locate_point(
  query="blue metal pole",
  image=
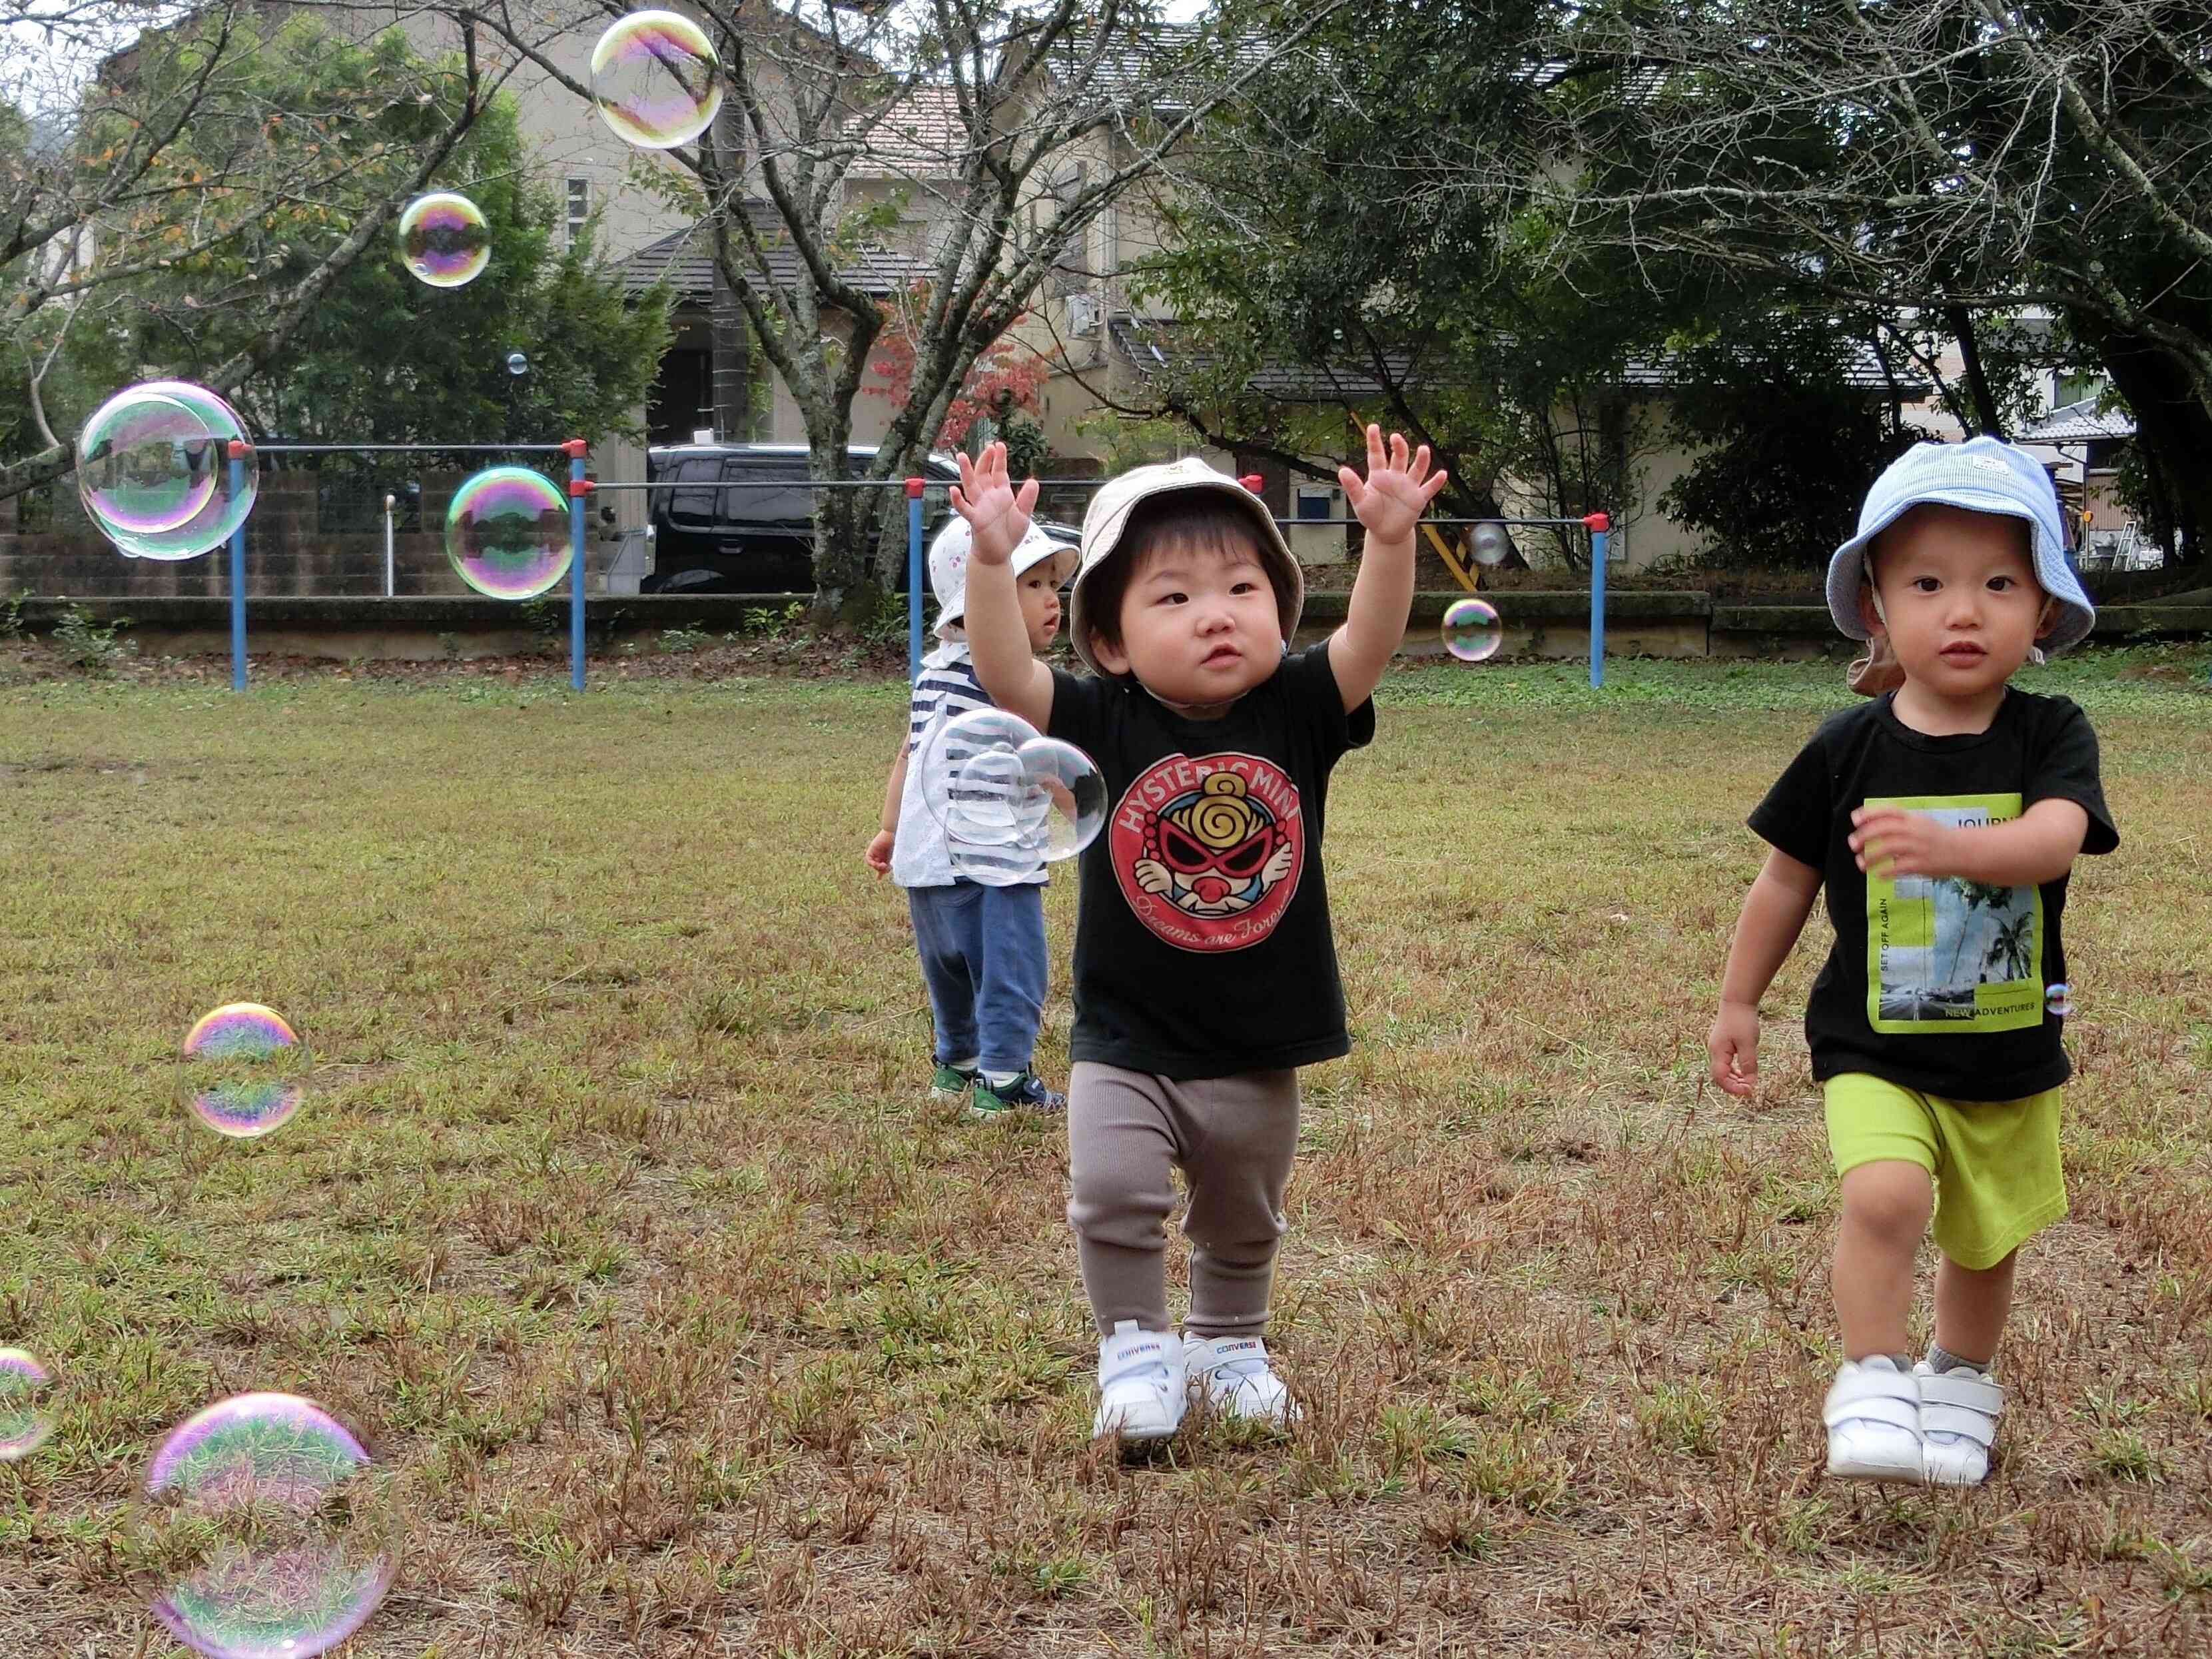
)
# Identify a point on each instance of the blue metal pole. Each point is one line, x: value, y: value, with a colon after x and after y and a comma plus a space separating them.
x: 576, y: 564
x: 238, y: 576
x: 913, y: 578
x: 1598, y: 525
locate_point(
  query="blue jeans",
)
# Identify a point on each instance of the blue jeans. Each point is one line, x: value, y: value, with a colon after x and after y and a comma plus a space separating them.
x: 983, y: 957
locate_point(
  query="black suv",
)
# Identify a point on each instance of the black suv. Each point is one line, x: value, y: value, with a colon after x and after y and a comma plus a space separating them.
x: 707, y: 538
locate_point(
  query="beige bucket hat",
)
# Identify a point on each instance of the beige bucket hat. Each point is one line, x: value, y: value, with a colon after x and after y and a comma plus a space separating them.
x: 1109, y: 516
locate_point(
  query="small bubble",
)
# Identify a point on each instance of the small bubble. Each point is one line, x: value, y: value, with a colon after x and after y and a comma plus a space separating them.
x: 1471, y: 632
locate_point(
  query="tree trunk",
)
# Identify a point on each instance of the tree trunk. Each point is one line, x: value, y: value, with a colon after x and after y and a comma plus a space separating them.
x: 2173, y: 433
x: 1987, y: 416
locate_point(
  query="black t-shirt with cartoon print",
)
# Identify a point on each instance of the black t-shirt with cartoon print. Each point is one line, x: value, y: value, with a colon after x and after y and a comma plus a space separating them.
x: 1938, y: 985
x: 1202, y: 944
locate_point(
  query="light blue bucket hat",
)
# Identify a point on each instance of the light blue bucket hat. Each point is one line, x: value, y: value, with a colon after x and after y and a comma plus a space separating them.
x: 1983, y: 475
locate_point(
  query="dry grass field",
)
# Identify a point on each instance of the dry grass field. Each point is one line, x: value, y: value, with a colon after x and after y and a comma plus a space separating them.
x: 680, y: 1323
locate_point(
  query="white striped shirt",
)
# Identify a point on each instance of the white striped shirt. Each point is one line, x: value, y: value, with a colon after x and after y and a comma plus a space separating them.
x: 946, y: 688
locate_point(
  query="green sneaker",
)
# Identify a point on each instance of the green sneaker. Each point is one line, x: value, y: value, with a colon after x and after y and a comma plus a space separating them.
x: 952, y: 1083
x: 1025, y: 1091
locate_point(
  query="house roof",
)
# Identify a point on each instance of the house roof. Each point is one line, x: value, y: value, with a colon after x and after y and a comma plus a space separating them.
x: 923, y: 131
x: 2077, y: 423
x: 1140, y: 67
x: 1157, y: 347
x: 685, y: 260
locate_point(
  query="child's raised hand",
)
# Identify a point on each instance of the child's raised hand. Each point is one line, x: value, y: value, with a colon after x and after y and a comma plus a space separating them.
x: 1398, y: 487
x: 997, y: 513
x: 1732, y: 1047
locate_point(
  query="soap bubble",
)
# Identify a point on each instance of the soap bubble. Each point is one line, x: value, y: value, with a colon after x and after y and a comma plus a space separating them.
x: 1490, y: 543
x: 1071, y: 791
x: 27, y: 1404
x: 1472, y: 631
x: 272, y: 1498
x: 2058, y: 999
x: 507, y: 533
x: 655, y: 79
x: 444, y: 241
x: 518, y: 363
x: 1009, y: 800
x: 243, y: 1069
x: 155, y: 473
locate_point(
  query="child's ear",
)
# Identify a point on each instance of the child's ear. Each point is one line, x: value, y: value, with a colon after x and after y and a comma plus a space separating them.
x: 1870, y: 617
x: 1108, y: 656
x: 2047, y: 618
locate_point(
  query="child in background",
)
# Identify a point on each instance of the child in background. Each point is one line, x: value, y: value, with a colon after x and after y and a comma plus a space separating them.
x: 1204, y: 969
x: 1943, y: 818
x: 982, y: 947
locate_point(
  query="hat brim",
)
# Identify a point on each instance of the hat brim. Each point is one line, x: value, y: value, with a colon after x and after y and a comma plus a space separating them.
x: 2075, y: 614
x: 1100, y: 543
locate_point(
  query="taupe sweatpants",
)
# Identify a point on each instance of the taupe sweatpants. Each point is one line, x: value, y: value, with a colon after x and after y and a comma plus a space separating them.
x: 1235, y: 1138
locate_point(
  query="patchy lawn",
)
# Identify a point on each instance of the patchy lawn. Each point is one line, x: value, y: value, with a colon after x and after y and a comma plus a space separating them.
x: 619, y: 1227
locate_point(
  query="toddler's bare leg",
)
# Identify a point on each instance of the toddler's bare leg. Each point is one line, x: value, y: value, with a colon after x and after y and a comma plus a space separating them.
x: 1886, y: 1204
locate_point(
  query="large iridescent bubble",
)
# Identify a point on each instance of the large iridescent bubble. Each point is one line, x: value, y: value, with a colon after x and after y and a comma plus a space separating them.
x: 272, y: 1506
x: 444, y: 241
x: 243, y: 1069
x: 1009, y: 800
x: 655, y: 79
x: 508, y: 532
x: 155, y: 472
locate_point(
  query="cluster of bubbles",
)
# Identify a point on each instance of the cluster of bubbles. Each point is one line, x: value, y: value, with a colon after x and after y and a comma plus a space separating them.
x: 507, y: 533
x: 1471, y: 632
x: 1009, y: 800
x: 271, y: 1505
x: 157, y: 474
x: 269, y: 1494
x: 655, y: 80
x: 277, y: 1532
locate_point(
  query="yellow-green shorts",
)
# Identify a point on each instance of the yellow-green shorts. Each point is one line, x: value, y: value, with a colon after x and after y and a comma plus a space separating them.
x: 1995, y: 1163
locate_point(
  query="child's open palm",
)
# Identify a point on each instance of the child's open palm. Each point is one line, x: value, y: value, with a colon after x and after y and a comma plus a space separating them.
x: 998, y: 515
x: 1398, y: 488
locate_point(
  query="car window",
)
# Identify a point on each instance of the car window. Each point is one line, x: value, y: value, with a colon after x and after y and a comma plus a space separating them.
x: 694, y: 506
x: 775, y: 490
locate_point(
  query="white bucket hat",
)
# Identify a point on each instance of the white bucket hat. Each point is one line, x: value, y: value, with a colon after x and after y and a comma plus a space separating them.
x: 1983, y: 475
x: 1109, y: 516
x: 948, y: 566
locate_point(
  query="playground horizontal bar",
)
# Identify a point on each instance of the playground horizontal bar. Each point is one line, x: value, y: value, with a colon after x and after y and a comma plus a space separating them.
x: 411, y: 448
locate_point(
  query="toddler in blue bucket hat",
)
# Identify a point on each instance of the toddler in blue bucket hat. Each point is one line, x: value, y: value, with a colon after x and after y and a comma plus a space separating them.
x: 1942, y: 817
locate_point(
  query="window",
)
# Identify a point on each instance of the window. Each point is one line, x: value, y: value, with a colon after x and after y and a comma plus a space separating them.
x: 579, y: 209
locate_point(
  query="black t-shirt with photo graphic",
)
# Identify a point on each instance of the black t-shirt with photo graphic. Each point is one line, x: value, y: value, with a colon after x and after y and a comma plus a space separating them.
x: 1938, y: 985
x: 1202, y: 941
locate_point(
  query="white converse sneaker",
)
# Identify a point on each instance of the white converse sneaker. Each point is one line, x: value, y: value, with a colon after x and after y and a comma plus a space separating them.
x: 1237, y: 1378
x: 1873, y: 1414
x: 1140, y: 1384
x: 1959, y: 1411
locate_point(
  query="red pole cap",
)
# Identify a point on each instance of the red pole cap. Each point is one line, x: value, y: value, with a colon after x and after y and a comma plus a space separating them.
x: 913, y: 488
x: 1597, y: 521
x: 238, y: 449
x: 582, y: 487
x: 1253, y: 482
x: 575, y: 448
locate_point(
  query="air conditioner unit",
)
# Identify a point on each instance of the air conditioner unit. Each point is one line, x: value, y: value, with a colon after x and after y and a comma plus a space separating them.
x: 1082, y: 314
